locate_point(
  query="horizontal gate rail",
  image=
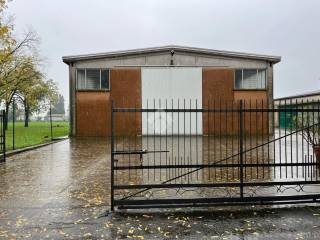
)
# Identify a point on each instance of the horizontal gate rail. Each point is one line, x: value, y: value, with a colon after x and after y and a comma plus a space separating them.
x: 243, y: 152
x: 198, y: 201
x: 217, y: 204
x: 225, y: 184
x: 247, y: 110
x: 202, y: 166
x: 137, y: 152
x: 225, y: 199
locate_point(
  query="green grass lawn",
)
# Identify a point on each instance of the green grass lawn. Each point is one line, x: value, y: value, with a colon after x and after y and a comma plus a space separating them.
x: 36, y: 133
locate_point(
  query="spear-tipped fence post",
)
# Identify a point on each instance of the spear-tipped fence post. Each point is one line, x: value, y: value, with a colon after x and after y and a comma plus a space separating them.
x: 50, y: 116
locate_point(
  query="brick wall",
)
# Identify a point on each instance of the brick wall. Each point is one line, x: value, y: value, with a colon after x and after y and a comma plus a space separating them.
x: 218, y: 93
x: 93, y: 113
x: 125, y: 88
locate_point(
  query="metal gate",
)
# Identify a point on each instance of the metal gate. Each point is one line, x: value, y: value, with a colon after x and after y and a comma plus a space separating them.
x: 2, y: 136
x: 241, y: 157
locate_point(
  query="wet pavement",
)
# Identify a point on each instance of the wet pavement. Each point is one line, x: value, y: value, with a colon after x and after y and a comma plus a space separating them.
x: 61, y: 191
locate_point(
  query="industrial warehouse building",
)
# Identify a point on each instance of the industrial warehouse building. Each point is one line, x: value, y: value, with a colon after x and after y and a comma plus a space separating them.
x: 133, y: 78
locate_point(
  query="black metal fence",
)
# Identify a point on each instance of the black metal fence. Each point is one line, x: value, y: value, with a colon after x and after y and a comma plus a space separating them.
x: 24, y: 129
x: 2, y: 137
x: 219, y: 153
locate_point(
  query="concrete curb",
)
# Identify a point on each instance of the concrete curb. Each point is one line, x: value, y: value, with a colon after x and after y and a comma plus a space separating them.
x: 21, y: 150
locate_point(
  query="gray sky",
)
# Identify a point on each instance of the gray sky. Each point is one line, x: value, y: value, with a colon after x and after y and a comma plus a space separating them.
x: 287, y: 28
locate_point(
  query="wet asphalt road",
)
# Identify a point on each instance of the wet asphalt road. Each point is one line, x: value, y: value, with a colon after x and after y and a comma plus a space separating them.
x: 61, y: 191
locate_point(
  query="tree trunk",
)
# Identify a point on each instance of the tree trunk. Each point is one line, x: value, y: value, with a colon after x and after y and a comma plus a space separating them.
x: 26, y: 114
x: 7, y: 104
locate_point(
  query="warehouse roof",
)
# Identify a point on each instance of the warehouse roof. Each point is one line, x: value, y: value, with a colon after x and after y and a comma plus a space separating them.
x: 300, y: 95
x: 184, y: 49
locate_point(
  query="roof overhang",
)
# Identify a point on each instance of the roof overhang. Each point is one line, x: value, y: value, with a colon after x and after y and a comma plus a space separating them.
x: 182, y: 49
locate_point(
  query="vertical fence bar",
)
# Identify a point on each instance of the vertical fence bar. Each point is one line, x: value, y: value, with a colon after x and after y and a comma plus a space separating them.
x: 262, y: 138
x: 4, y: 135
x: 244, y: 120
x: 160, y: 138
x: 274, y: 138
x: 313, y: 140
x: 302, y: 140
x: 147, y: 136
x: 232, y: 137
x: 279, y: 132
x: 112, y: 157
x: 2, y: 159
x: 250, y: 136
x: 178, y: 170
x: 226, y: 137
x: 13, y: 123
x: 214, y: 137
x: 297, y: 138
x: 268, y: 135
x: 208, y: 140
x: 184, y: 135
x: 166, y: 139
x: 173, y: 159
x: 257, y: 138
x: 154, y: 139
x: 318, y: 129
x: 285, y: 137
x: 190, y: 141
x: 308, y: 119
x: 197, y: 138
x: 220, y: 136
x: 241, y: 146
x: 51, y: 129
x: 135, y: 133
x: 291, y: 149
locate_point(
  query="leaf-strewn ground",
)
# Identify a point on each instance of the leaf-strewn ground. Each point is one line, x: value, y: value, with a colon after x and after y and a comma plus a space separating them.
x: 62, y: 191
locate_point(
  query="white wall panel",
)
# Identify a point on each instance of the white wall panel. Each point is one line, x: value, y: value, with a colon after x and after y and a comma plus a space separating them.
x: 177, y: 87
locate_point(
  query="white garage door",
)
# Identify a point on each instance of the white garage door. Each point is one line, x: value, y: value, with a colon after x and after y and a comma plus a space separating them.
x: 174, y: 87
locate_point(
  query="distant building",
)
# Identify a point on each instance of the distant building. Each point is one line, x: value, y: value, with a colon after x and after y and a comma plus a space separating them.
x: 304, y: 100
x: 58, y: 117
x: 55, y: 117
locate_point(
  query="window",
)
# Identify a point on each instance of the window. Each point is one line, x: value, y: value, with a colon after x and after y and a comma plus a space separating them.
x: 93, y: 79
x: 81, y: 76
x: 105, y: 79
x: 250, y: 79
x: 238, y: 79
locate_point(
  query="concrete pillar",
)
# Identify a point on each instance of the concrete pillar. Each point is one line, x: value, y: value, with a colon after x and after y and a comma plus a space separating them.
x: 72, y: 99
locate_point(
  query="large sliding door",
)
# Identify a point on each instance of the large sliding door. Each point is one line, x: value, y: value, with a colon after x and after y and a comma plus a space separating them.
x: 171, y: 87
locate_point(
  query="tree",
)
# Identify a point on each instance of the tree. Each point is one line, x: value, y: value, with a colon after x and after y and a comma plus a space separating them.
x: 19, y: 65
x: 16, y: 54
x: 25, y: 76
x: 37, y: 96
x: 12, y: 47
x: 17, y: 62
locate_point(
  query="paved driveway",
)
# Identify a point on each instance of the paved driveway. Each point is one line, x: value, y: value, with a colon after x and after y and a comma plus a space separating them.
x: 61, y: 191
x: 54, y: 186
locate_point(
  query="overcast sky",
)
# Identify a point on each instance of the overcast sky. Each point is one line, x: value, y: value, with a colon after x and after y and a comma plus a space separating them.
x: 287, y: 28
